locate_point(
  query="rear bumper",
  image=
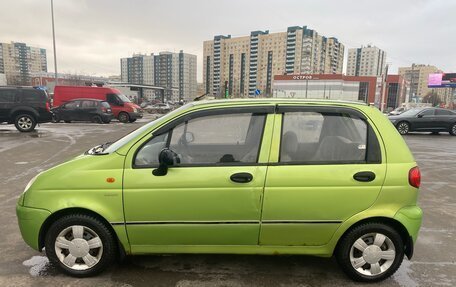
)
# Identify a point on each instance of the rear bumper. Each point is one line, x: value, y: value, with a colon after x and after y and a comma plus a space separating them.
x: 44, y: 118
x: 30, y: 222
x: 410, y: 217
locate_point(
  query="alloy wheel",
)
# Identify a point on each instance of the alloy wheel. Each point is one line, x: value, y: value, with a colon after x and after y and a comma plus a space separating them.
x: 25, y: 123
x: 78, y: 247
x: 403, y: 128
x: 372, y: 254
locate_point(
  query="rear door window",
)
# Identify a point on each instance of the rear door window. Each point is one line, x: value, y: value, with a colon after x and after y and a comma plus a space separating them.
x: 324, y: 137
x: 444, y: 113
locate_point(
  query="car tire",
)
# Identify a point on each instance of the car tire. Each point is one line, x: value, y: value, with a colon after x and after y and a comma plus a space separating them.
x: 25, y: 123
x: 132, y: 120
x: 370, y: 252
x: 80, y: 245
x: 68, y: 122
x: 55, y: 119
x: 107, y: 121
x: 97, y: 119
x: 123, y: 117
x: 403, y: 128
x: 453, y: 130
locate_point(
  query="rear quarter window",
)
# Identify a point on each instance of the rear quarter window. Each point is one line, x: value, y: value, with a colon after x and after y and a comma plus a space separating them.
x: 33, y: 96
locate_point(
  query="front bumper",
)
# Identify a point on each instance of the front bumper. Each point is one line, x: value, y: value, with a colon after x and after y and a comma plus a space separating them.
x: 30, y: 222
x: 137, y: 115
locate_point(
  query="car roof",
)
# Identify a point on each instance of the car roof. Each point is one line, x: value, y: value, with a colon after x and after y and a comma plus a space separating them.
x: 253, y: 101
x: 86, y: 99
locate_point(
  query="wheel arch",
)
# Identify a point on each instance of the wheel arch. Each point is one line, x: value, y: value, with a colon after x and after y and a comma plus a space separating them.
x: 393, y: 223
x: 77, y: 210
x: 23, y: 110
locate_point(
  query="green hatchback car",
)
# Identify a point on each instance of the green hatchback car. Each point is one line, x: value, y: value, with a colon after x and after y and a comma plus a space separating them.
x: 268, y: 176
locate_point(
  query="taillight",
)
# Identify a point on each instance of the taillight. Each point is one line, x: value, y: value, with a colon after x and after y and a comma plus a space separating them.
x: 415, y: 177
x: 48, y: 107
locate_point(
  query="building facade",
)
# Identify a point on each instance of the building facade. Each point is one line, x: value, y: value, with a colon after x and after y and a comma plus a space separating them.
x: 18, y: 61
x: 417, y: 75
x: 326, y: 86
x: 176, y: 72
x: 366, y: 61
x: 246, y: 66
x: 396, y: 91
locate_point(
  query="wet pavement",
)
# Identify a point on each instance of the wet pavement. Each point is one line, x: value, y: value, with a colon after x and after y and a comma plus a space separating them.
x: 22, y: 156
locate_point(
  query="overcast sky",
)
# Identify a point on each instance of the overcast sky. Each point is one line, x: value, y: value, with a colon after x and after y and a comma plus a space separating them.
x: 92, y: 35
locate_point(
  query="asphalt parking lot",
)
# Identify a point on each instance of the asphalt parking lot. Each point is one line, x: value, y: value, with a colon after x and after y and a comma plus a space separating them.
x: 24, y: 155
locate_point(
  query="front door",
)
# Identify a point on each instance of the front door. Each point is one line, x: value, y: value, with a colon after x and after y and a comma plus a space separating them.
x: 213, y: 196
x: 425, y: 120
x: 323, y: 163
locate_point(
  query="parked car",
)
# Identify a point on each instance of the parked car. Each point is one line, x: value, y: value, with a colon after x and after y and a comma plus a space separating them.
x: 266, y: 183
x: 96, y: 111
x: 433, y: 120
x: 24, y: 107
x: 159, y: 108
x: 122, y: 108
x: 397, y: 111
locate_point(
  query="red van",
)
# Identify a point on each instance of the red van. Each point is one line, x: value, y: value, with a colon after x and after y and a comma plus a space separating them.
x: 122, y: 108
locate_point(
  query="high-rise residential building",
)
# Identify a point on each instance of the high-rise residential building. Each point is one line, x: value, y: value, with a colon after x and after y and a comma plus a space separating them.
x: 417, y: 75
x: 245, y: 66
x: 18, y: 61
x: 366, y: 61
x: 176, y: 72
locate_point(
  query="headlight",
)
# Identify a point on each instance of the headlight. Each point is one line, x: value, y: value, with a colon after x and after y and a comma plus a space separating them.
x: 135, y: 110
x: 29, y: 184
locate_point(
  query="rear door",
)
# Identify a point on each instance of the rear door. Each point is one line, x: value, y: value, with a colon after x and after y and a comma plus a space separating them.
x: 445, y: 119
x: 326, y: 166
x: 88, y: 110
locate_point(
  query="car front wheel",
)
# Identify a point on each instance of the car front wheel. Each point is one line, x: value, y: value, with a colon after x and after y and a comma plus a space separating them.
x: 403, y: 128
x: 370, y: 252
x: 80, y: 245
x: 123, y: 117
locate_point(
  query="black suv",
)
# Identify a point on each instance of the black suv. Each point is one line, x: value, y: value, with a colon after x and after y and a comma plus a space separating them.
x: 25, y: 107
x: 97, y: 111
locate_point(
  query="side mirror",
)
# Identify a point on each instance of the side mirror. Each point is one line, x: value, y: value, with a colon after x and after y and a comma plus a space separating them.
x: 119, y: 103
x: 420, y: 116
x: 166, y: 158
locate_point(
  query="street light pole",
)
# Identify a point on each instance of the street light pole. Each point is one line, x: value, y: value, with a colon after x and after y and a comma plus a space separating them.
x: 53, y: 40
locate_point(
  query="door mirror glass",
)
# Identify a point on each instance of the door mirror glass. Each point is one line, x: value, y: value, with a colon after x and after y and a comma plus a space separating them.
x: 420, y: 115
x: 166, y: 158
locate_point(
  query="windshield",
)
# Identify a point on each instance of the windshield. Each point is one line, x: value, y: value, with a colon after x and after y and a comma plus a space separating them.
x: 123, y: 98
x: 127, y: 138
x: 411, y: 113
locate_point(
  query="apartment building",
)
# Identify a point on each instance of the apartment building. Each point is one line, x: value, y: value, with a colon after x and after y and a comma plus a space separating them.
x: 417, y: 75
x: 176, y: 72
x: 18, y: 61
x: 246, y: 66
x: 366, y: 61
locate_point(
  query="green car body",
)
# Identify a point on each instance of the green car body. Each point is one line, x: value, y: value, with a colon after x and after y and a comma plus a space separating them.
x: 285, y: 209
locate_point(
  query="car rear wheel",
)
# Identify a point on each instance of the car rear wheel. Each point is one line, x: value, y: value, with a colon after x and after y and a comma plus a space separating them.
x: 370, y: 252
x: 403, y: 128
x: 80, y: 245
x: 453, y: 130
x: 25, y: 123
x: 97, y: 119
x: 123, y: 117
